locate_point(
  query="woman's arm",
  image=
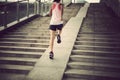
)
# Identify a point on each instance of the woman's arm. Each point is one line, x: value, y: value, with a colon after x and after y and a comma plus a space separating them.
x: 62, y: 10
x: 50, y: 13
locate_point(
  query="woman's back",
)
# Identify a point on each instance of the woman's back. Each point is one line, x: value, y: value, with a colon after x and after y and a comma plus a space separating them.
x: 56, y: 14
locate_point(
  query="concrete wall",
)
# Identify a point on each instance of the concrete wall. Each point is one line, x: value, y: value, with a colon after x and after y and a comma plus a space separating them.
x: 92, y: 1
x: 78, y: 1
x: 114, y: 4
x: 66, y: 2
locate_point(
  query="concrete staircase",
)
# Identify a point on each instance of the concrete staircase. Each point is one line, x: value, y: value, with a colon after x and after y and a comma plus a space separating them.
x: 22, y: 47
x: 95, y: 54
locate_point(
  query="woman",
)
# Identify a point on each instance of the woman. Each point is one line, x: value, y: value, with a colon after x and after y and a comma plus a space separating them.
x: 56, y: 23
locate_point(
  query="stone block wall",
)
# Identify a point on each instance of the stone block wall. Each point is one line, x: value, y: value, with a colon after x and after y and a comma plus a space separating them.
x: 114, y: 5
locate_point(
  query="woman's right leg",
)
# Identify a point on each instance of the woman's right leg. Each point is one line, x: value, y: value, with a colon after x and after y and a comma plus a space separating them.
x: 59, y: 36
x: 52, y: 38
x: 59, y: 33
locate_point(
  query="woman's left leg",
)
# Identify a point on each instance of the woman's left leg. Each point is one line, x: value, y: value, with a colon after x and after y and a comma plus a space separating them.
x: 59, y: 33
x: 52, y: 38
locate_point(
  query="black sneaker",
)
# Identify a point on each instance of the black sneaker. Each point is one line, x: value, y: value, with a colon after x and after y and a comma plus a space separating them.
x: 51, y: 55
x: 58, y: 39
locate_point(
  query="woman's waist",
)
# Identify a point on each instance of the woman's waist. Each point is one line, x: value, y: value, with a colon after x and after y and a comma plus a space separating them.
x: 56, y: 22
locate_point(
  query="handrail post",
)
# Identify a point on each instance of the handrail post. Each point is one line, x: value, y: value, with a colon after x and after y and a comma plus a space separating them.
x: 35, y: 8
x: 28, y: 8
x: 18, y: 16
x: 5, y: 17
x: 45, y: 7
x: 39, y: 7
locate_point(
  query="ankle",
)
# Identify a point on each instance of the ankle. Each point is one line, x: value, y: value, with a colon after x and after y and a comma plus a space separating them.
x: 51, y: 55
x: 51, y: 51
x: 58, y: 34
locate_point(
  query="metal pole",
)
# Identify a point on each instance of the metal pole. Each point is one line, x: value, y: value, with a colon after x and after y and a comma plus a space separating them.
x: 5, y: 16
x: 18, y: 16
x: 39, y: 5
x: 28, y: 8
x: 35, y: 7
x: 45, y: 7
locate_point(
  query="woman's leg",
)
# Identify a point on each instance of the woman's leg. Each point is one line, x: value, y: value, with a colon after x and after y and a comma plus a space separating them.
x: 59, y: 32
x: 52, y: 37
x: 60, y: 29
x: 59, y: 36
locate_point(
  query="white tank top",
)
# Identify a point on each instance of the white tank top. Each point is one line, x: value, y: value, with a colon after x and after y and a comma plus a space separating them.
x: 56, y: 14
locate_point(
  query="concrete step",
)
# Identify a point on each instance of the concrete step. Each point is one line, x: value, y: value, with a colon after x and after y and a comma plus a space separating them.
x: 96, y: 48
x: 94, y: 59
x: 97, y: 53
x: 98, y: 35
x: 16, y: 33
x: 97, y: 30
x: 18, y: 69
x: 104, y: 44
x: 98, y: 38
x: 20, y: 54
x: 34, y: 31
x: 24, y: 40
x: 25, y: 33
x: 94, y: 66
x: 27, y: 44
x: 29, y: 36
x: 91, y: 75
x: 18, y: 61
x: 36, y: 25
x: 27, y: 49
x: 12, y: 76
x: 30, y: 27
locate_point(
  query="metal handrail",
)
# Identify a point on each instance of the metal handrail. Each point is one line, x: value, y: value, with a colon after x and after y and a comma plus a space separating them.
x: 4, y: 10
x: 37, y: 9
x: 6, y: 4
x: 10, y: 3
